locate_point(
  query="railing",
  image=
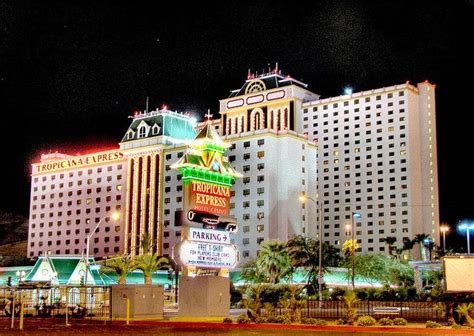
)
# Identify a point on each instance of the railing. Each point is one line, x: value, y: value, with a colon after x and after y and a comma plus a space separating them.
x: 409, y: 310
x: 92, y: 302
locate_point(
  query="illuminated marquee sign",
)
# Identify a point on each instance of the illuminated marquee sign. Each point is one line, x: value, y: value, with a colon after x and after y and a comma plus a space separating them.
x: 200, y: 254
x: 77, y: 162
x: 209, y: 198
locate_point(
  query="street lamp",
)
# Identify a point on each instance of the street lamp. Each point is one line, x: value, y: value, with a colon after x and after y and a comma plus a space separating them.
x: 303, y: 199
x: 351, y: 227
x: 467, y: 225
x: 115, y: 216
x: 444, y: 229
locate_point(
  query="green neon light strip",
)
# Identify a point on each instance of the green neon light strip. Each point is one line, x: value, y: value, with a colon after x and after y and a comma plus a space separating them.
x: 207, y: 176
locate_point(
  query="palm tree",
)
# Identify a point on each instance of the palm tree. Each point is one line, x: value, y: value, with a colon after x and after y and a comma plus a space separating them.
x: 304, y: 253
x: 147, y: 243
x: 149, y: 264
x: 390, y: 241
x: 273, y: 260
x: 250, y: 273
x: 419, y: 239
x: 350, y: 299
x: 121, y: 265
x: 466, y: 310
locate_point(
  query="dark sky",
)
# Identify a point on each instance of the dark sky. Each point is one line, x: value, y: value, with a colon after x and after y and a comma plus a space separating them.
x: 72, y: 71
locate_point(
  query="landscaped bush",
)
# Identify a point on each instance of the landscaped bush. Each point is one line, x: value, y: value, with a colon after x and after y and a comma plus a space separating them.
x: 227, y: 320
x: 277, y: 319
x: 456, y: 326
x: 399, y: 321
x: 243, y: 319
x: 261, y: 319
x: 341, y: 321
x: 366, y: 321
x: 314, y: 321
x: 432, y: 324
x: 385, y: 321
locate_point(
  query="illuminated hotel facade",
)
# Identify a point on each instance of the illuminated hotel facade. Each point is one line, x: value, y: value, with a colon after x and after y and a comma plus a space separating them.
x: 273, y: 124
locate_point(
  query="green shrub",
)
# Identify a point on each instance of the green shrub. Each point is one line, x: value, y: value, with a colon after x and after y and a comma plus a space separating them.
x: 227, y: 320
x: 432, y: 324
x: 341, y: 321
x: 277, y: 319
x: 243, y: 319
x: 366, y: 321
x: 261, y: 319
x: 399, y: 321
x: 286, y: 320
x: 456, y: 326
x: 313, y: 321
x: 385, y: 321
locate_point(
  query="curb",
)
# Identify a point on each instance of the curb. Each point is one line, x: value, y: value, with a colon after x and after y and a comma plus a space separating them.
x: 352, y: 329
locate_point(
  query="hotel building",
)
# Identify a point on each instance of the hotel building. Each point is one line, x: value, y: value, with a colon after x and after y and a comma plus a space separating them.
x: 376, y: 155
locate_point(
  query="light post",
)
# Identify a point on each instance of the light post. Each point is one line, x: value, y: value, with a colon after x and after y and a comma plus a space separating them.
x: 466, y: 226
x: 351, y: 227
x: 319, y: 205
x: 444, y: 229
x: 115, y: 216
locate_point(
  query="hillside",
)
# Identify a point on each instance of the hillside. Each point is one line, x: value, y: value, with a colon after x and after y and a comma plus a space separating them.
x: 13, y: 228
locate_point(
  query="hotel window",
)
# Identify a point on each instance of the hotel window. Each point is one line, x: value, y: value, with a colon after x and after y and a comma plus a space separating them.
x: 246, y: 204
x: 245, y: 241
x: 260, y: 166
x: 119, y: 187
x: 260, y: 191
x: 260, y: 154
x: 246, y: 217
x: 260, y: 178
x: 260, y: 228
x: 260, y: 215
x: 246, y: 192
x: 246, y: 180
x: 246, y: 156
x: 260, y: 203
x: 261, y: 142
x: 246, y: 168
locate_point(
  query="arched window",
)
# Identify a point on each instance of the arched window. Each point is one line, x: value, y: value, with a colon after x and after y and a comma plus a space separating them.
x: 270, y: 119
x: 285, y: 119
x: 130, y: 134
x: 242, y: 124
x: 229, y: 125
x: 142, y: 132
x: 155, y: 129
x: 236, y: 128
x: 257, y: 121
x: 277, y: 120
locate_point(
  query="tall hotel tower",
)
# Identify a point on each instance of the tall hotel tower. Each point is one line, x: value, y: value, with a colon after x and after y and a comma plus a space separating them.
x: 371, y: 152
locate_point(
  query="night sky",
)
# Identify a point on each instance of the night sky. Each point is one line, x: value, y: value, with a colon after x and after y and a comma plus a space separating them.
x: 71, y: 72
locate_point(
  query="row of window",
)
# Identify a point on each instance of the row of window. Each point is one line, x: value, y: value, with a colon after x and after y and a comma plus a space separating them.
x: 78, y: 183
x: 79, y: 173
x: 70, y: 221
x: 95, y: 250
x: 88, y: 201
x: 77, y: 212
x: 357, y: 101
x: 118, y: 187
